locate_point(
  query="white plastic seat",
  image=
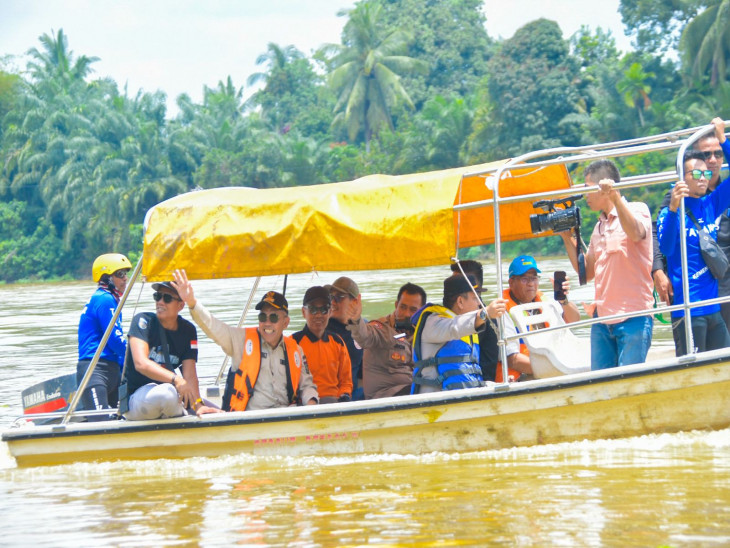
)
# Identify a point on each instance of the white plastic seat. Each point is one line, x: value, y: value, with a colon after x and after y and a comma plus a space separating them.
x: 554, y: 353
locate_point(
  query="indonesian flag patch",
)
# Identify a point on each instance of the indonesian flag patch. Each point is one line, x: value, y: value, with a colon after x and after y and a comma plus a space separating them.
x: 194, y: 345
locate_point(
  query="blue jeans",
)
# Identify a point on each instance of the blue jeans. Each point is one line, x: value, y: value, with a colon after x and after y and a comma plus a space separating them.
x: 620, y: 343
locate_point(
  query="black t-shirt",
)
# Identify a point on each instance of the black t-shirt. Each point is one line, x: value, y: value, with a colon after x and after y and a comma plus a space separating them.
x: 488, y: 352
x: 182, y: 343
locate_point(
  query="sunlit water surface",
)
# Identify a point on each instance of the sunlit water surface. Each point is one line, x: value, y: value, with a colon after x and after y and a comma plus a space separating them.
x: 666, y: 490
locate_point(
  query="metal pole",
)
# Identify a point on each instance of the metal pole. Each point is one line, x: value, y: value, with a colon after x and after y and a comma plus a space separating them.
x: 696, y: 136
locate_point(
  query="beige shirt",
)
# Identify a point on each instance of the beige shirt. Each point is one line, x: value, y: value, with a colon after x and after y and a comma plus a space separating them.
x: 387, y: 362
x: 270, y: 389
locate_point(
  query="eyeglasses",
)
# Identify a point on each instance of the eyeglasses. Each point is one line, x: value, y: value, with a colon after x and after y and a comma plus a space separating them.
x: 528, y: 279
x: 324, y: 309
x: 165, y: 297
x: 273, y: 317
x: 121, y: 274
x: 716, y: 153
x: 338, y: 297
x: 698, y: 173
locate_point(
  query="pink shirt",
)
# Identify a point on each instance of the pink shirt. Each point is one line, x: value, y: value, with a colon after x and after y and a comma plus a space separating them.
x: 623, y: 279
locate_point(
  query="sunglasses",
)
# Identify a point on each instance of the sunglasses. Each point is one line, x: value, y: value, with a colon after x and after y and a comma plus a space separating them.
x: 324, y: 309
x: 121, y: 274
x: 165, y: 297
x: 698, y: 173
x: 338, y: 297
x: 273, y: 317
x: 716, y: 153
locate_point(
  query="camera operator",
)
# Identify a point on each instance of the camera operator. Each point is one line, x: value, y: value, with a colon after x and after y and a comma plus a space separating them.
x: 619, y: 257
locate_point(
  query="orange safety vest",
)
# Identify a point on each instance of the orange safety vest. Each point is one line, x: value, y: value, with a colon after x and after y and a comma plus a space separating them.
x: 248, y: 369
x: 523, y: 347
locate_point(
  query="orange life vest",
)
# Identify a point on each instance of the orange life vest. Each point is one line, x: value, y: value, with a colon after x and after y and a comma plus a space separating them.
x: 513, y: 373
x: 248, y: 369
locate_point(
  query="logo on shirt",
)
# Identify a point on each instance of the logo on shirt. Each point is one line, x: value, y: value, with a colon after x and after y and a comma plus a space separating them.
x: 249, y: 347
x: 142, y: 323
x: 297, y: 360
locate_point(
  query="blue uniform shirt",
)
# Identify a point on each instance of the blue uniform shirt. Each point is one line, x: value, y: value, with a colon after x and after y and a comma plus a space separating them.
x: 94, y: 320
x: 707, y: 210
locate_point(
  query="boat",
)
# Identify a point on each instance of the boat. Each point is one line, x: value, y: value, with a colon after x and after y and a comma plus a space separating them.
x: 363, y: 225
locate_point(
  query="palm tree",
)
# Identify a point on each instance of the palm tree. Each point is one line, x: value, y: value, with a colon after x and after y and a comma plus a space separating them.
x: 277, y: 58
x: 55, y: 62
x: 635, y: 90
x: 705, y: 42
x: 365, y: 72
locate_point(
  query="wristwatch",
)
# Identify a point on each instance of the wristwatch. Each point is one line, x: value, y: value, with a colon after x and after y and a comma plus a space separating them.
x: 483, y: 314
x: 564, y: 301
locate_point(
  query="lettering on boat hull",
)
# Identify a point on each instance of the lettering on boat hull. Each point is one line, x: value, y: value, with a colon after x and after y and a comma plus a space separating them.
x: 306, y: 439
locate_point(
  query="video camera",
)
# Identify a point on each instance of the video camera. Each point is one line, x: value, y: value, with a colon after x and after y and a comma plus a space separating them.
x: 556, y: 219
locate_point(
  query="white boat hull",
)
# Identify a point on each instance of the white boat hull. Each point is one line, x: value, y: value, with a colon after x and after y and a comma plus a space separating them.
x: 623, y: 402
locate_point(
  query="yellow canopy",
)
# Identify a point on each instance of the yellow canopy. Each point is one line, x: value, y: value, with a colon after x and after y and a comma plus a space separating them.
x: 376, y: 222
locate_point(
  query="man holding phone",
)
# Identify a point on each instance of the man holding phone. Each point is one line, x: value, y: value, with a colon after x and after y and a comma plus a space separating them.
x: 523, y: 288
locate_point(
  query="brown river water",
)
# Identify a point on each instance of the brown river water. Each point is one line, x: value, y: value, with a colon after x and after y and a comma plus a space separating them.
x: 663, y: 490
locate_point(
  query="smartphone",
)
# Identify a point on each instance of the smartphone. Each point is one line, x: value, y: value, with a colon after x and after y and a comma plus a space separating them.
x: 558, y: 279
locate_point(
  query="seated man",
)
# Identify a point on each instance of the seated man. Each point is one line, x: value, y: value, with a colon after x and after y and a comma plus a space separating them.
x: 272, y: 372
x: 387, y: 362
x: 325, y: 351
x: 445, y: 345
x: 346, y: 306
x: 160, y: 344
x: 489, y: 359
x: 523, y: 288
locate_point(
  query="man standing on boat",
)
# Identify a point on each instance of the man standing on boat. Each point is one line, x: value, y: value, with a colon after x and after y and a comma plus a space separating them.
x: 445, y: 344
x: 268, y: 369
x: 709, y: 146
x: 619, y: 257
x: 110, y: 273
x: 346, y: 307
x: 701, y: 209
x: 160, y: 344
x: 523, y: 288
x: 387, y: 361
x: 326, y: 353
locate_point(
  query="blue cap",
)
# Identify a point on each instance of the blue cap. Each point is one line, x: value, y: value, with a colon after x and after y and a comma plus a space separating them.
x: 522, y: 264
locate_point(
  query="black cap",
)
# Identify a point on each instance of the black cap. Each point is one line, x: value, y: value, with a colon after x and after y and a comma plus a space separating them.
x: 314, y: 293
x: 272, y: 298
x: 168, y: 285
x: 456, y: 285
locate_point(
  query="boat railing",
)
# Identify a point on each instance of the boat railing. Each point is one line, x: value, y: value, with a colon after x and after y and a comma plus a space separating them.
x: 567, y: 155
x: 56, y: 418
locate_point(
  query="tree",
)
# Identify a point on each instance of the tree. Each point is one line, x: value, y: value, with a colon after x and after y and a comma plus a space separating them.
x: 705, y: 43
x: 451, y: 40
x: 55, y: 64
x: 532, y: 90
x: 657, y: 24
x: 365, y: 72
x: 292, y: 95
x: 635, y: 90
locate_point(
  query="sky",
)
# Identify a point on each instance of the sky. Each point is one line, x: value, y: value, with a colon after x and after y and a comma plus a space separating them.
x: 178, y: 46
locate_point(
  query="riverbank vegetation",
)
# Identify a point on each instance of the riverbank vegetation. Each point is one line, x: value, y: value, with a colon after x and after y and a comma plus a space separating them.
x: 82, y: 161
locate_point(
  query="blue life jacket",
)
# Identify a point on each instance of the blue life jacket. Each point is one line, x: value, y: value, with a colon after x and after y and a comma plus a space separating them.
x: 456, y: 362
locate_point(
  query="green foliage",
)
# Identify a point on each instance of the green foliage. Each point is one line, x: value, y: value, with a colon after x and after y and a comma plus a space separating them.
x: 414, y: 86
x: 450, y: 39
x: 29, y: 247
x: 530, y: 85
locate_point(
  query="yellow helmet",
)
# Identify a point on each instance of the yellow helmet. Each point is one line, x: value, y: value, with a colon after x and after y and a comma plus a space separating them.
x: 109, y: 263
